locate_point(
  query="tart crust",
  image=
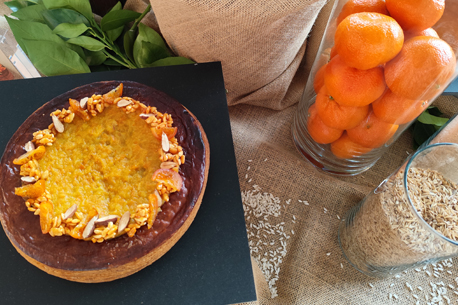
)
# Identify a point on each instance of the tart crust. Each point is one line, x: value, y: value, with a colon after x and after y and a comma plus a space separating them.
x: 81, y: 261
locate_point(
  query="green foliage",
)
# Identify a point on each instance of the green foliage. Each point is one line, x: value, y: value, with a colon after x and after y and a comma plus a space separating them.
x: 31, y: 13
x: 62, y: 37
x: 53, y: 58
x: 427, y: 124
x: 70, y: 30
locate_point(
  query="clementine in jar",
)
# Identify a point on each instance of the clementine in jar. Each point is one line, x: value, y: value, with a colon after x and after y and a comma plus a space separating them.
x: 428, y: 32
x: 367, y: 40
x: 372, y: 132
x: 318, y: 81
x: 421, y: 69
x: 345, y: 148
x: 395, y: 109
x: 353, y: 87
x: 319, y: 131
x: 360, y: 6
x: 416, y: 15
x: 337, y: 116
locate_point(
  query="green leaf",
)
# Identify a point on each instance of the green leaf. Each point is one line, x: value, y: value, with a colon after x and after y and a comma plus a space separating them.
x: 88, y: 43
x: 128, y: 43
x: 116, y: 7
x: 115, y: 19
x: 18, y: 4
x: 421, y: 133
x: 32, y: 31
x: 115, y: 33
x: 146, y: 33
x: 172, y: 61
x: 434, y: 111
x: 70, y: 30
x: 62, y: 15
x: 53, y: 59
x: 149, y: 53
x: 30, y: 13
x: 111, y: 62
x: 94, y: 58
x: 429, y: 119
x: 81, y: 6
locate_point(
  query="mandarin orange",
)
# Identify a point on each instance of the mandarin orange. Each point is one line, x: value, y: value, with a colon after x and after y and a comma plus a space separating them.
x: 372, y: 132
x: 416, y: 15
x: 318, y: 81
x: 319, y: 131
x: 367, y: 40
x: 353, y: 87
x: 345, y: 148
x: 338, y: 116
x: 395, y: 109
x: 428, y: 32
x: 360, y: 6
x: 421, y: 69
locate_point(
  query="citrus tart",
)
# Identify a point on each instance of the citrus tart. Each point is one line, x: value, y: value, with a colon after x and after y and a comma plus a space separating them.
x: 102, y: 180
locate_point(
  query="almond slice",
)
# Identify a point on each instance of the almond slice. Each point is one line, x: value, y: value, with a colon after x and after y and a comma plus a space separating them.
x: 123, y: 103
x: 58, y: 124
x: 28, y: 179
x: 165, y: 142
x: 145, y: 115
x: 83, y: 102
x: 29, y: 146
x: 70, y: 212
x: 90, y: 227
x: 103, y: 221
x: 124, y: 221
x: 168, y: 164
x: 160, y: 202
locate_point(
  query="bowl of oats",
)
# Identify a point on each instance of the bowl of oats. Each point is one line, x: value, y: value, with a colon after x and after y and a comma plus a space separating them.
x: 410, y: 219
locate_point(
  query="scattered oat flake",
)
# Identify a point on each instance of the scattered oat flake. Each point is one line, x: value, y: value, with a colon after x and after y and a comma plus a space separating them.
x: 372, y: 286
x: 250, y: 160
x: 341, y: 265
x: 329, y: 253
x: 265, y: 159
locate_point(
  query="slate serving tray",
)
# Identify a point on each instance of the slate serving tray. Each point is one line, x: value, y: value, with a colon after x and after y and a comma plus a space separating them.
x: 210, y: 264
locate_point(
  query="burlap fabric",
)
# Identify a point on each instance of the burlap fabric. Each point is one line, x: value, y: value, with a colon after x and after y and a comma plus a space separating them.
x: 260, y: 43
x: 310, y: 203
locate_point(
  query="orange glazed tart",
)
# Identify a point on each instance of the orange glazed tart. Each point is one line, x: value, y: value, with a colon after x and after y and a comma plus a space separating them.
x: 102, y: 180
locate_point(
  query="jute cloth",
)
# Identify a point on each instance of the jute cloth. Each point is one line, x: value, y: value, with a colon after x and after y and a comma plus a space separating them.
x: 313, y: 270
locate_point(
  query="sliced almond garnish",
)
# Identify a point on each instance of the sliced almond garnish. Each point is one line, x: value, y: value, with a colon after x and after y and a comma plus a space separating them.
x: 70, y: 212
x: 103, y: 221
x: 123, y: 103
x: 29, y: 146
x: 168, y: 164
x: 165, y: 142
x: 145, y: 115
x: 124, y: 221
x: 160, y: 202
x: 90, y: 227
x: 28, y: 179
x: 57, y: 124
x: 83, y: 102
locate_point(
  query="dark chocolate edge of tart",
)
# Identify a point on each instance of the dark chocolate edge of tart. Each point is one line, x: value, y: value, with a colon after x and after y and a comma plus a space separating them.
x: 22, y: 227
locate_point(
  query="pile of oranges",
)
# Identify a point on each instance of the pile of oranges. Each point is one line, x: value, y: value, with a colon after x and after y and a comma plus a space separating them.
x: 385, y: 66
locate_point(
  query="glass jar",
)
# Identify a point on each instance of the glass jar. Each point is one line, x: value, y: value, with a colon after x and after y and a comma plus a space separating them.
x: 358, y: 100
x: 391, y: 229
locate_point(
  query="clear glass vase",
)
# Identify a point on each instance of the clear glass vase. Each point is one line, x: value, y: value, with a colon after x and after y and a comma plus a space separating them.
x: 355, y: 106
x: 400, y: 224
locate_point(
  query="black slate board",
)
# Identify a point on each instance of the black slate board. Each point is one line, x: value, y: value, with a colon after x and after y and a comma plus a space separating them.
x: 210, y: 264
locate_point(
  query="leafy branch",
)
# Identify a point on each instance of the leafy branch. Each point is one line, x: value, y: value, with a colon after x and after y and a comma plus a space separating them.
x: 63, y: 37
